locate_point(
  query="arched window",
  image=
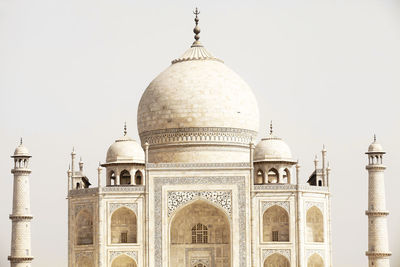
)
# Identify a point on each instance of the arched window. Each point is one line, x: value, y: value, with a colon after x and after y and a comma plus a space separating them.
x: 315, y: 261
x: 199, y: 234
x: 123, y: 261
x: 200, y: 265
x: 200, y: 219
x: 286, y: 176
x: 138, y: 177
x: 78, y: 185
x: 125, y: 177
x: 276, y: 225
x: 273, y: 176
x: 112, y: 178
x: 276, y: 260
x: 315, y: 225
x: 123, y: 226
x: 84, y: 228
x: 259, y: 177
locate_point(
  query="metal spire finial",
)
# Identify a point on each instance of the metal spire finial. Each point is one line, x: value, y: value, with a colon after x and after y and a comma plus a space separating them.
x: 271, y: 130
x: 20, y: 141
x: 196, y: 29
x: 125, y: 130
x: 374, y: 137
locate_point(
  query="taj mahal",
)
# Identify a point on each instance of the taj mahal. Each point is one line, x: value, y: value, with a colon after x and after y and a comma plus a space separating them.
x: 195, y: 190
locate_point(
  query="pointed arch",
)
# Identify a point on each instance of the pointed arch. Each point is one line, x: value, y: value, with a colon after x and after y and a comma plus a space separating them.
x: 138, y: 177
x: 204, y: 222
x: 276, y: 225
x: 84, y: 228
x: 276, y: 260
x: 286, y: 176
x: 315, y: 260
x: 112, y: 178
x: 123, y: 261
x: 259, y: 179
x: 314, y: 225
x: 123, y: 226
x: 125, y: 178
x: 273, y: 176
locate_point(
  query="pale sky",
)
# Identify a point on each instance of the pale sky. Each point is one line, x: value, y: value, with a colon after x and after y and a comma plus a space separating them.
x: 326, y: 72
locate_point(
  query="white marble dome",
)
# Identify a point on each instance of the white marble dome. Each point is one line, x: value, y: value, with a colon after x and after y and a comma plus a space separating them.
x: 375, y: 147
x: 124, y: 150
x: 197, y: 90
x: 272, y: 148
x: 21, y: 150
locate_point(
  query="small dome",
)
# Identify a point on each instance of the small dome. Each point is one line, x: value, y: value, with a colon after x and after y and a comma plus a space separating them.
x: 125, y: 150
x: 375, y: 147
x: 272, y: 148
x: 21, y: 150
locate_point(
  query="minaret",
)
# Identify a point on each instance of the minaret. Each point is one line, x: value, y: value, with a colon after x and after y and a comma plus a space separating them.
x: 378, y: 246
x: 21, y: 214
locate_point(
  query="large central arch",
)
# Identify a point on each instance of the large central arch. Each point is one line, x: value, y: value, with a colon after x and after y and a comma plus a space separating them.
x: 200, y: 231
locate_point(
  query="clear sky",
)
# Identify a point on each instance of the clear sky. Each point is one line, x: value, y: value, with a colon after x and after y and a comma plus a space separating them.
x: 326, y: 72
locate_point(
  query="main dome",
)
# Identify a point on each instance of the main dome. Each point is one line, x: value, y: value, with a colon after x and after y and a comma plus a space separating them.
x: 197, y: 108
x: 197, y: 93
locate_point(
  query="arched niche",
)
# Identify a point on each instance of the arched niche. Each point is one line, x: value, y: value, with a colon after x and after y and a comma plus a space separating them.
x: 276, y: 260
x: 84, y: 262
x: 123, y: 226
x: 315, y: 260
x: 259, y: 177
x: 138, y: 178
x: 125, y: 178
x: 123, y: 261
x: 112, y: 178
x: 286, y: 176
x: 84, y: 228
x: 200, y: 226
x: 276, y: 225
x: 314, y: 225
x: 273, y: 176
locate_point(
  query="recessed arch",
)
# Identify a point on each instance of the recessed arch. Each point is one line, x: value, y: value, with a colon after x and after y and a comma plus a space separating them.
x: 286, y: 176
x: 138, y: 177
x: 123, y: 261
x: 112, y: 178
x: 276, y: 260
x: 315, y: 260
x: 259, y: 179
x: 273, y: 176
x: 208, y: 223
x: 84, y: 228
x: 314, y: 225
x: 123, y: 226
x: 276, y: 225
x: 125, y: 178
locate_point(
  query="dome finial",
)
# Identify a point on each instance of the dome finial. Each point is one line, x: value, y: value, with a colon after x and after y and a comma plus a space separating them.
x: 374, y: 137
x: 125, y: 130
x: 196, y: 29
x: 20, y: 142
x: 271, y: 130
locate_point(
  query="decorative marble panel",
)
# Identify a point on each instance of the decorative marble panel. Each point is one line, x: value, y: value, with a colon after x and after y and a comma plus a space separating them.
x: 194, y: 262
x: 283, y: 204
x: 114, y: 206
x: 268, y: 252
x: 114, y: 254
x: 79, y: 207
x: 199, y: 165
x: 179, y: 198
x: 159, y: 182
x: 79, y: 254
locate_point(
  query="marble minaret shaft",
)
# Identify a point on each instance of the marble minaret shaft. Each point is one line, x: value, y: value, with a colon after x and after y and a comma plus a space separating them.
x: 21, y: 215
x: 378, y: 246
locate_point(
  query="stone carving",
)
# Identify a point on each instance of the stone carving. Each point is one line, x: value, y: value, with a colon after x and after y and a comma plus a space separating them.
x: 282, y: 204
x: 159, y: 182
x: 83, y: 191
x: 311, y: 252
x: 268, y: 252
x: 310, y: 204
x: 198, y: 165
x: 292, y: 187
x: 86, y: 253
x: 136, y: 188
x: 179, y: 198
x: 198, y: 134
x: 194, y: 262
x: 79, y: 207
x: 115, y: 206
x: 114, y: 254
